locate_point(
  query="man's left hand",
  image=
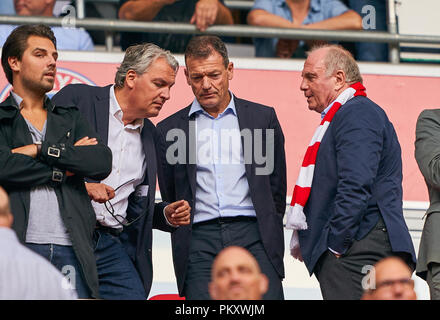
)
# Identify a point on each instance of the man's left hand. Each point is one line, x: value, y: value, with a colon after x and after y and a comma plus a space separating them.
x: 178, y: 213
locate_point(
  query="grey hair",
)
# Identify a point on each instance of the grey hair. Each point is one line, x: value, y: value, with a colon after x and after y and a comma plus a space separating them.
x: 139, y: 58
x: 338, y: 58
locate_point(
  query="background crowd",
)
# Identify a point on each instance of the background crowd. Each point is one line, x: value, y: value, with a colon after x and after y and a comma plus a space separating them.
x: 307, y: 14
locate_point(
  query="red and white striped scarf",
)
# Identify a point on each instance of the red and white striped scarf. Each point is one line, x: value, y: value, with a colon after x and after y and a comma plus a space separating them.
x: 296, y: 220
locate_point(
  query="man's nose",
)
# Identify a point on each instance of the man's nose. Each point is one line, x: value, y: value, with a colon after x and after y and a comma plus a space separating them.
x: 51, y: 61
x: 206, y: 83
x: 303, y: 86
x: 165, y: 93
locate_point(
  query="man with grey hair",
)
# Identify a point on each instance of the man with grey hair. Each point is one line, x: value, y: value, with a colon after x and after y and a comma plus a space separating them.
x: 124, y: 202
x: 346, y: 209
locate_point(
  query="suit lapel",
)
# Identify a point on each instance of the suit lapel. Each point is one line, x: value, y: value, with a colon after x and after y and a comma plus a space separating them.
x: 190, y: 135
x: 102, y: 107
x: 245, y: 122
x: 150, y: 156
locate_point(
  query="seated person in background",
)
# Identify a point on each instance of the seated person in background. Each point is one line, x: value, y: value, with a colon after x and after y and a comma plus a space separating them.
x: 68, y: 38
x: 202, y: 13
x: 236, y: 275
x: 371, y: 51
x: 304, y: 14
x: 391, y: 281
x: 7, y: 7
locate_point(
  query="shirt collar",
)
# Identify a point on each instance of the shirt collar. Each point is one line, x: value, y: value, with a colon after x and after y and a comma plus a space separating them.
x: 323, y: 113
x: 315, y: 5
x: 116, y: 111
x: 281, y: 3
x: 197, y: 108
x: 19, y: 100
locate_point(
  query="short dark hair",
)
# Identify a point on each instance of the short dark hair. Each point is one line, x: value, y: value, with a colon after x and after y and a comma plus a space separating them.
x: 203, y: 47
x: 16, y: 43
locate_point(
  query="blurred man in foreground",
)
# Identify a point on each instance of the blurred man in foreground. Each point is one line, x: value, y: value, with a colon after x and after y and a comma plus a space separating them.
x: 392, y: 281
x: 236, y: 275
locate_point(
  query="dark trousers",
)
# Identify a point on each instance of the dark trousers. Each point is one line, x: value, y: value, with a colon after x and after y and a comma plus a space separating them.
x: 433, y: 280
x: 64, y: 259
x: 118, y: 277
x: 208, y: 239
x: 342, y: 278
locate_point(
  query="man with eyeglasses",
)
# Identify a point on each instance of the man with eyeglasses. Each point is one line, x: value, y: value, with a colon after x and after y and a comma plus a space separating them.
x: 124, y: 202
x: 390, y: 280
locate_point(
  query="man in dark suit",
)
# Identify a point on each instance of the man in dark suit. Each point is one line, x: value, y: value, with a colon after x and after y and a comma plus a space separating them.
x: 124, y: 202
x: 354, y: 209
x: 427, y: 149
x: 212, y: 156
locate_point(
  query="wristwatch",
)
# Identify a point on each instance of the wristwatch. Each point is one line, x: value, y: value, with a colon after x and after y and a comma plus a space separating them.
x: 38, y: 144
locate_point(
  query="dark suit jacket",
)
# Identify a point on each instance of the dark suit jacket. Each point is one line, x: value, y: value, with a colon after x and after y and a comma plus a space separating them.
x: 268, y: 192
x: 426, y: 153
x: 358, y: 176
x: 93, y: 102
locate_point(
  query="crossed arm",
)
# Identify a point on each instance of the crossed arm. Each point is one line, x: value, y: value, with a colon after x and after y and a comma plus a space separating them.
x: 348, y: 20
x: 207, y: 12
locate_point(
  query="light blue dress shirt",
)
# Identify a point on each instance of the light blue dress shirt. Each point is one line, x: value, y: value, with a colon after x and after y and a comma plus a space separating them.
x: 7, y: 7
x: 25, y: 275
x: 222, y: 189
x: 319, y: 10
x: 75, y: 39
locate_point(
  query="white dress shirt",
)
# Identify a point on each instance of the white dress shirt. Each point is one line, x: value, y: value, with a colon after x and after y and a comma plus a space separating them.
x: 128, y: 165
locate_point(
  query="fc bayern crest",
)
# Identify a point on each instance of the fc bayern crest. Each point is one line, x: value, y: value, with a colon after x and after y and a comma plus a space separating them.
x: 63, y: 78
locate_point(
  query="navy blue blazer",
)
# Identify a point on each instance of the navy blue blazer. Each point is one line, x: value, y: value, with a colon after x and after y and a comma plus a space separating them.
x: 268, y: 192
x: 93, y: 102
x: 358, y: 176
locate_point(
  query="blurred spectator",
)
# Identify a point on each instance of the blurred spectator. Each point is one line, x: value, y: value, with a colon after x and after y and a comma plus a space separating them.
x: 236, y: 275
x: 68, y: 38
x: 304, y: 14
x: 374, y: 14
x: 7, y: 7
x: 391, y: 281
x: 24, y: 274
x: 202, y: 13
x: 427, y: 155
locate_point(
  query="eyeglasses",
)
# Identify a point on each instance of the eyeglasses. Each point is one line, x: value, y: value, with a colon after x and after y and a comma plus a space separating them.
x: 390, y: 283
x: 120, y: 219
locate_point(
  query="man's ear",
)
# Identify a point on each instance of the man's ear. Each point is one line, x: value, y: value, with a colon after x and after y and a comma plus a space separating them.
x: 264, y: 283
x: 213, y: 291
x: 188, y: 80
x: 367, y: 296
x: 340, y: 79
x: 6, y: 220
x: 130, y: 78
x: 14, y: 63
x: 230, y: 71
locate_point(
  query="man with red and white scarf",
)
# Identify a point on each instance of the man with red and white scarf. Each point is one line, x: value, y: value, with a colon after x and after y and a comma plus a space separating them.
x: 346, y: 211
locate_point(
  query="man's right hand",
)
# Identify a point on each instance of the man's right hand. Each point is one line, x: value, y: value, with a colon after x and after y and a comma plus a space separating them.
x: 100, y: 192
